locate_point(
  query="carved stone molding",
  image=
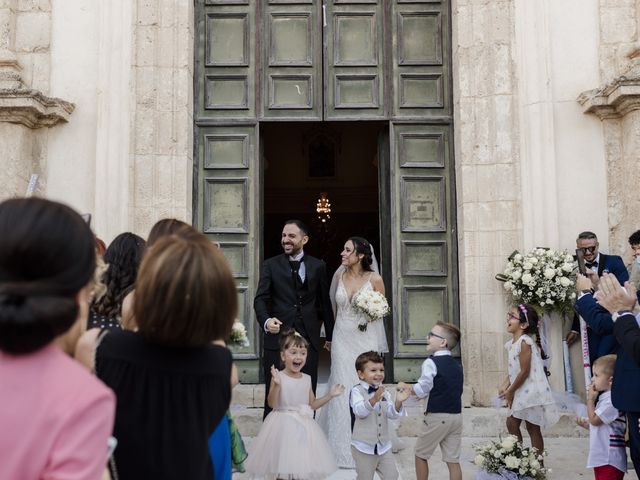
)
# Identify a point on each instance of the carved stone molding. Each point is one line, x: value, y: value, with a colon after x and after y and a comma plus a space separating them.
x: 32, y: 109
x: 614, y: 100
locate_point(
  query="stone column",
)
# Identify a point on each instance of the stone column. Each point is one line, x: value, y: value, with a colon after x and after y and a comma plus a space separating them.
x: 162, y: 112
x: 488, y: 181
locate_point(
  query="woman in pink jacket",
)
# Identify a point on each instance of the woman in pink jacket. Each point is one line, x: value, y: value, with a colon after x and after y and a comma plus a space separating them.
x: 56, y: 417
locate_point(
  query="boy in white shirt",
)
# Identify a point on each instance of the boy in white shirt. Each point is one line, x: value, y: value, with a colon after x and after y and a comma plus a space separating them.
x: 607, y: 454
x: 371, y: 406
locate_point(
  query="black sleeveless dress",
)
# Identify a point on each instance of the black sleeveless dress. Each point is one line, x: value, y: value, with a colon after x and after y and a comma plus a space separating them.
x: 169, y: 402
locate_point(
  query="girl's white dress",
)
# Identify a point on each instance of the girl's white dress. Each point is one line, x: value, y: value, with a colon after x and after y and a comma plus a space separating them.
x: 290, y: 444
x: 348, y: 342
x: 533, y: 401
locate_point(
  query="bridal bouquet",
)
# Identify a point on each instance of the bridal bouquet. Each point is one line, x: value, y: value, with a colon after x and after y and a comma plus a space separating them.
x: 373, y: 304
x: 543, y: 277
x: 509, y: 459
x: 238, y: 335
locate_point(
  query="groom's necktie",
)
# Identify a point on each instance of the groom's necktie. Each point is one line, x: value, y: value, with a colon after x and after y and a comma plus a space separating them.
x: 591, y: 264
x: 295, y: 269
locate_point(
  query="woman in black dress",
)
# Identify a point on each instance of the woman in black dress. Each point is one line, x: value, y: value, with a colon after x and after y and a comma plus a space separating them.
x: 172, y: 385
x: 123, y: 259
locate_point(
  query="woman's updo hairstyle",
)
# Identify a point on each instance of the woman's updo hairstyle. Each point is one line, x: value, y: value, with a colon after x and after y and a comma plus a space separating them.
x: 47, y: 255
x: 362, y: 246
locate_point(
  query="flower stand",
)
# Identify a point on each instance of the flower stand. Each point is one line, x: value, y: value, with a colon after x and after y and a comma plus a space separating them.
x: 501, y: 475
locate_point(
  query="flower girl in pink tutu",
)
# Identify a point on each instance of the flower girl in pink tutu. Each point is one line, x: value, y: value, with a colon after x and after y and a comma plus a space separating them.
x: 290, y: 444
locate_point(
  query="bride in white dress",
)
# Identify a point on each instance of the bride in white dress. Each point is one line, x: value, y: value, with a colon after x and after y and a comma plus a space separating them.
x: 358, y: 273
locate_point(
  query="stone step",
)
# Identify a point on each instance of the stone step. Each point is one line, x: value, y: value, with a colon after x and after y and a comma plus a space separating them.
x: 477, y: 421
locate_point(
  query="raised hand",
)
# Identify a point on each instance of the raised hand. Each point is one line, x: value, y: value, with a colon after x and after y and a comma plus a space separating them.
x: 404, y: 386
x: 336, y: 390
x: 613, y: 297
x: 379, y: 393
x: 402, y: 393
x: 275, y: 375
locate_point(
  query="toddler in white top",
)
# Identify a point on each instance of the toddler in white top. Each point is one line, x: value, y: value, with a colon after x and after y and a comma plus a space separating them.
x: 607, y: 454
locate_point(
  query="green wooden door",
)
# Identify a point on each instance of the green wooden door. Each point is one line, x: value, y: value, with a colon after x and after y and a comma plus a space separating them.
x: 354, y: 73
x: 347, y: 60
x: 226, y: 176
x: 291, y: 41
x: 422, y: 183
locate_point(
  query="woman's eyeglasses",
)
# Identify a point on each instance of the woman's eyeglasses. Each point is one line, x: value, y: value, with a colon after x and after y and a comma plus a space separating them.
x: 513, y: 316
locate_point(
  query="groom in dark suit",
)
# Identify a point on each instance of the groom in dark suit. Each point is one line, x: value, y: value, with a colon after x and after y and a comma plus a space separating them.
x: 597, y: 264
x: 293, y: 292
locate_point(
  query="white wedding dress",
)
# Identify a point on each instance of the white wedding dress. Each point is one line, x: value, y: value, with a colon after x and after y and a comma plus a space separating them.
x: 347, y: 343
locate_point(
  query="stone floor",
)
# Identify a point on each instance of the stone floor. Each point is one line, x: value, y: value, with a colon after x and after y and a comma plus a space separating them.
x: 567, y: 459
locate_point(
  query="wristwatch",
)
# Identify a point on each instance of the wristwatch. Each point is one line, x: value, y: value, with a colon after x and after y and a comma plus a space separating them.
x: 615, y: 315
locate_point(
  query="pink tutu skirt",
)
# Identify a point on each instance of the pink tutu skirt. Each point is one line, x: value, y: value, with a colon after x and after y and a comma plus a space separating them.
x: 290, y: 445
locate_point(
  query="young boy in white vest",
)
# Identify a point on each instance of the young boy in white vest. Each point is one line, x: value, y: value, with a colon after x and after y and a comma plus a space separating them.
x: 441, y: 379
x: 371, y: 406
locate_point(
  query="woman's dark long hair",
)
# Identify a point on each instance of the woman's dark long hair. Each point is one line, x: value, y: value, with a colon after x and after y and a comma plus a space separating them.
x: 123, y: 258
x: 362, y: 246
x: 47, y: 255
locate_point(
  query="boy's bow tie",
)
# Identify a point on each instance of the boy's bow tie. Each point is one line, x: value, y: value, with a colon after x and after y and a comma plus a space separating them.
x: 372, y: 389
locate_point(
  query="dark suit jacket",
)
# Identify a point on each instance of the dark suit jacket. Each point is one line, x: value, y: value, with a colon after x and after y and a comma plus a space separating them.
x: 625, y: 392
x: 627, y: 334
x: 607, y: 264
x: 277, y: 297
x: 600, y: 327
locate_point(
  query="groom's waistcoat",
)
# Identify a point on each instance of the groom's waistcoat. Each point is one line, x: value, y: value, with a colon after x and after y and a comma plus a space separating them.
x: 374, y: 428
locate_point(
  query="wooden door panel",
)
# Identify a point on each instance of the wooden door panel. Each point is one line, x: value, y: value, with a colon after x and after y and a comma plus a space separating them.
x: 425, y: 268
x: 225, y: 73
x: 225, y: 201
x: 354, y: 66
x: 292, y: 59
x: 421, y: 70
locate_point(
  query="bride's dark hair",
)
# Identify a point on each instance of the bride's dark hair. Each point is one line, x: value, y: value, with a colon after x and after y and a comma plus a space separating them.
x: 362, y: 246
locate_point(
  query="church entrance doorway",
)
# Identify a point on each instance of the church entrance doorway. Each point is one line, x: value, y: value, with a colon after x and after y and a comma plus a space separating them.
x: 326, y: 174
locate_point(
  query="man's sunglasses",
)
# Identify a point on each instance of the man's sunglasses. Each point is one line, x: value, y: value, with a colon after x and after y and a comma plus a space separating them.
x: 588, y: 249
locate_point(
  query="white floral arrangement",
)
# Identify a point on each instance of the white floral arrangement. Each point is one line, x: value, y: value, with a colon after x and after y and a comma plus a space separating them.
x: 238, y: 335
x: 508, y: 458
x: 373, y: 304
x: 544, y: 278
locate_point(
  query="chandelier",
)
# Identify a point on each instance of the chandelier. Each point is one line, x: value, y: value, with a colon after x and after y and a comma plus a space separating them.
x: 323, y: 207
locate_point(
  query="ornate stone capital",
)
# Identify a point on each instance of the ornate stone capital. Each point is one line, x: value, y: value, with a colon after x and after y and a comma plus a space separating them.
x: 32, y: 109
x: 614, y: 100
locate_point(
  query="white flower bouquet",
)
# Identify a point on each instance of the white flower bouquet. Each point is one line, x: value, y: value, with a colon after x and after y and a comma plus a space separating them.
x: 373, y: 304
x: 238, y: 335
x: 544, y: 278
x: 509, y: 459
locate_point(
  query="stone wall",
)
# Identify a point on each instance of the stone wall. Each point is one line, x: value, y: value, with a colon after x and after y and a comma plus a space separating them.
x: 619, y: 57
x: 162, y: 112
x: 530, y: 165
x: 488, y: 180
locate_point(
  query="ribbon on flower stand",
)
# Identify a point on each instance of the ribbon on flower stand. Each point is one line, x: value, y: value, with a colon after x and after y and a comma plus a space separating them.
x: 586, y: 361
x: 544, y: 330
x: 568, y: 377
